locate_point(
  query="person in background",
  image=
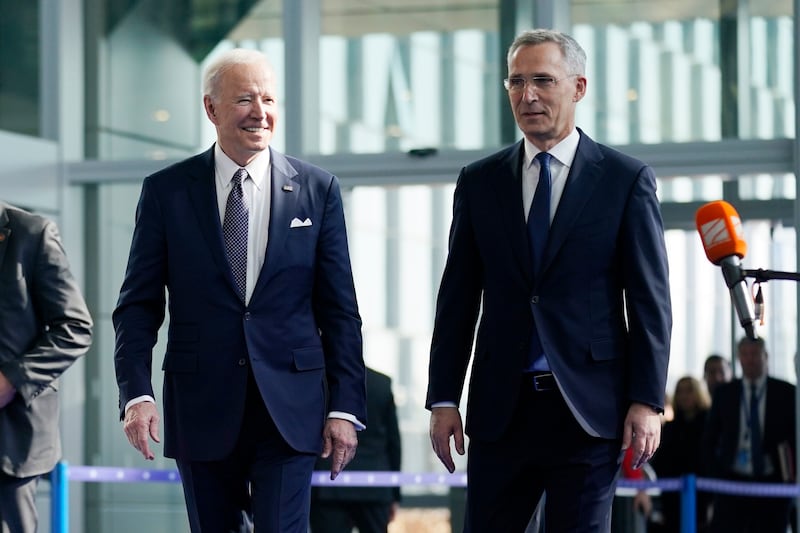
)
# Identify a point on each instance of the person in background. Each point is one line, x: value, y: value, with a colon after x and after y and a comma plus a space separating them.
x: 680, y: 451
x: 250, y: 247
x: 630, y: 513
x: 370, y: 509
x: 716, y: 371
x: 557, y: 250
x: 750, y: 436
x: 45, y: 327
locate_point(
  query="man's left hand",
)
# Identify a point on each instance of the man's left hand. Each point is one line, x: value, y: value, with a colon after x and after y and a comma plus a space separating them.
x: 642, y: 431
x: 339, y: 442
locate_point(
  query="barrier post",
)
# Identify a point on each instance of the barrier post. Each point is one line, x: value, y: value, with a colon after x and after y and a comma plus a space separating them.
x: 688, y: 503
x: 59, y: 499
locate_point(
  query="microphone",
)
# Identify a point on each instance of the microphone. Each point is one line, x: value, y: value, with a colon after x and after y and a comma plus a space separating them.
x: 720, y: 230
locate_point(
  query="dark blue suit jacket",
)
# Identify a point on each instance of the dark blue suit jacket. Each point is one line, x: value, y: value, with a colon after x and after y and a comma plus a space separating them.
x: 301, y: 323
x: 721, y: 435
x: 601, y: 303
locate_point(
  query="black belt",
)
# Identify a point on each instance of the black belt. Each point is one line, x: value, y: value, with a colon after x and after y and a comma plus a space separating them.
x: 541, y: 381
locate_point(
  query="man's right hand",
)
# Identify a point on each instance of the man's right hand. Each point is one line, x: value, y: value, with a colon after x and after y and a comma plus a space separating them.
x: 141, y: 422
x: 446, y: 422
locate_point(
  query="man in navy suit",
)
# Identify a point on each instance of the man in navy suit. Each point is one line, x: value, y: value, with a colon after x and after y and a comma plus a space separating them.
x: 570, y: 361
x: 250, y: 247
x: 733, y: 450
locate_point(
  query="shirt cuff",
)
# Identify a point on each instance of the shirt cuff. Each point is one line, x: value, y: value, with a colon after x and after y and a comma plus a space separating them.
x: 347, y: 416
x: 139, y: 399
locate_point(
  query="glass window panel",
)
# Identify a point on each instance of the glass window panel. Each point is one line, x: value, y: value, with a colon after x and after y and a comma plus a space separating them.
x: 663, y: 71
x: 402, y: 76
x: 19, y: 67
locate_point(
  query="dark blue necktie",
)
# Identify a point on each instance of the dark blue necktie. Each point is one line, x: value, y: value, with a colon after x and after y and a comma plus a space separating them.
x: 538, y: 228
x: 539, y: 215
x: 234, y: 228
x: 756, y: 450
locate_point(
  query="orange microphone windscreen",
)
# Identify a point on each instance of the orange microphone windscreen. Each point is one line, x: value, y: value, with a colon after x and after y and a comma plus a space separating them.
x: 720, y: 230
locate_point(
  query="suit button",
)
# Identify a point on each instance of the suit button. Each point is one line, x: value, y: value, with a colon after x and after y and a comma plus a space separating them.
x: 534, y: 299
x: 242, y: 362
x: 247, y: 315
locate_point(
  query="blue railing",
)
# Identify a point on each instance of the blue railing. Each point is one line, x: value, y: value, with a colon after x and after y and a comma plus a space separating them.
x: 688, y: 486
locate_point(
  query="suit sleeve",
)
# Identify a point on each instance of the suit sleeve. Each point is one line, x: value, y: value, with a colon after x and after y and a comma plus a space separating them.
x: 336, y: 312
x: 647, y: 292
x: 65, y: 323
x: 456, y: 306
x: 140, y: 309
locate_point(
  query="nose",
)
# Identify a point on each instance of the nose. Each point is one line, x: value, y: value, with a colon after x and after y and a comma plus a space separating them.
x: 530, y: 93
x: 258, y: 108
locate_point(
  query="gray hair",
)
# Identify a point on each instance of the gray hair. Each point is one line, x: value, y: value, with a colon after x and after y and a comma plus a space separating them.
x: 574, y: 56
x: 238, y: 56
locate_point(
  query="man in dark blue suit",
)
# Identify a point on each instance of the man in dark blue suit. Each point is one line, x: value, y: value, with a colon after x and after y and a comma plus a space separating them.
x: 251, y: 248
x: 734, y: 448
x: 572, y: 347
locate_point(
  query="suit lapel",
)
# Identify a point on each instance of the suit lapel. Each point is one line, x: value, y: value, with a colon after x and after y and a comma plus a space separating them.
x: 285, y: 190
x: 507, y: 185
x: 582, y: 180
x: 203, y: 195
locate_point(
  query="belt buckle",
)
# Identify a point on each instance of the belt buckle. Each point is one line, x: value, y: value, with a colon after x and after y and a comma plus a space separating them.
x: 543, y: 382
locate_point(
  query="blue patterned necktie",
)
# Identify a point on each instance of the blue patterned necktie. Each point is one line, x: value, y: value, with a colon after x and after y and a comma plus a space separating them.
x: 234, y: 228
x: 538, y: 228
x: 756, y: 450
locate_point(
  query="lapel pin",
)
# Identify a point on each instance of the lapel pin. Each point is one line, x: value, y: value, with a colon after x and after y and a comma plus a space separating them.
x: 288, y: 188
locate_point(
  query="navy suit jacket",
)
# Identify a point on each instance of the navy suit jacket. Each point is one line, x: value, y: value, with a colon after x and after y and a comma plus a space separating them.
x: 301, y: 323
x: 721, y: 435
x: 601, y: 301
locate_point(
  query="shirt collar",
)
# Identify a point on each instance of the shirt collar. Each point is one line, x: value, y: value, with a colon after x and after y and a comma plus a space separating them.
x: 758, y: 382
x: 564, y: 151
x: 226, y: 167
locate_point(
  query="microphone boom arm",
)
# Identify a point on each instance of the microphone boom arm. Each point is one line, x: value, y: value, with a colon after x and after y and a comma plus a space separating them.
x: 762, y: 276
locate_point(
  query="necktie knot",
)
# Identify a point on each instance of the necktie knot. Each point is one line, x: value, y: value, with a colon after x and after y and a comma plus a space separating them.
x: 544, y: 159
x: 238, y: 177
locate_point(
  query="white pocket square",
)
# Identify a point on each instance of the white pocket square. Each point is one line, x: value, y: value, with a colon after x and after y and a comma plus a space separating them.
x: 297, y: 223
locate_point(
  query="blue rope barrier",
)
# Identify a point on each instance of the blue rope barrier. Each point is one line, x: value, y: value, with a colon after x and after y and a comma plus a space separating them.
x: 687, y: 485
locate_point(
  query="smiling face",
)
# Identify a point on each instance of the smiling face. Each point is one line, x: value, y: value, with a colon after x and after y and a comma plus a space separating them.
x: 244, y: 109
x: 545, y: 115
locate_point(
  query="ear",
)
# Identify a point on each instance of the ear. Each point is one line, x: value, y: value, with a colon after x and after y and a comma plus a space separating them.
x: 211, y: 111
x: 580, y: 88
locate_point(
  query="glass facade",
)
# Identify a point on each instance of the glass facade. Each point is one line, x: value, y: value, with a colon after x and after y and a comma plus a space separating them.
x: 702, y: 91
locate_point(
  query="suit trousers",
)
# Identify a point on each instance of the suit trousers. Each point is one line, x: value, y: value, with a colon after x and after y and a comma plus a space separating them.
x: 18, y: 504
x: 263, y: 478
x: 544, y: 450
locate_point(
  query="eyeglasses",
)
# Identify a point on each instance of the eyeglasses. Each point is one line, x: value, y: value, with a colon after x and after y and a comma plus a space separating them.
x: 543, y: 83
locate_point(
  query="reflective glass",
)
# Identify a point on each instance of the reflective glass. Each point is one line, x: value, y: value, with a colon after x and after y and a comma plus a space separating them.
x: 686, y: 71
x: 19, y: 67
